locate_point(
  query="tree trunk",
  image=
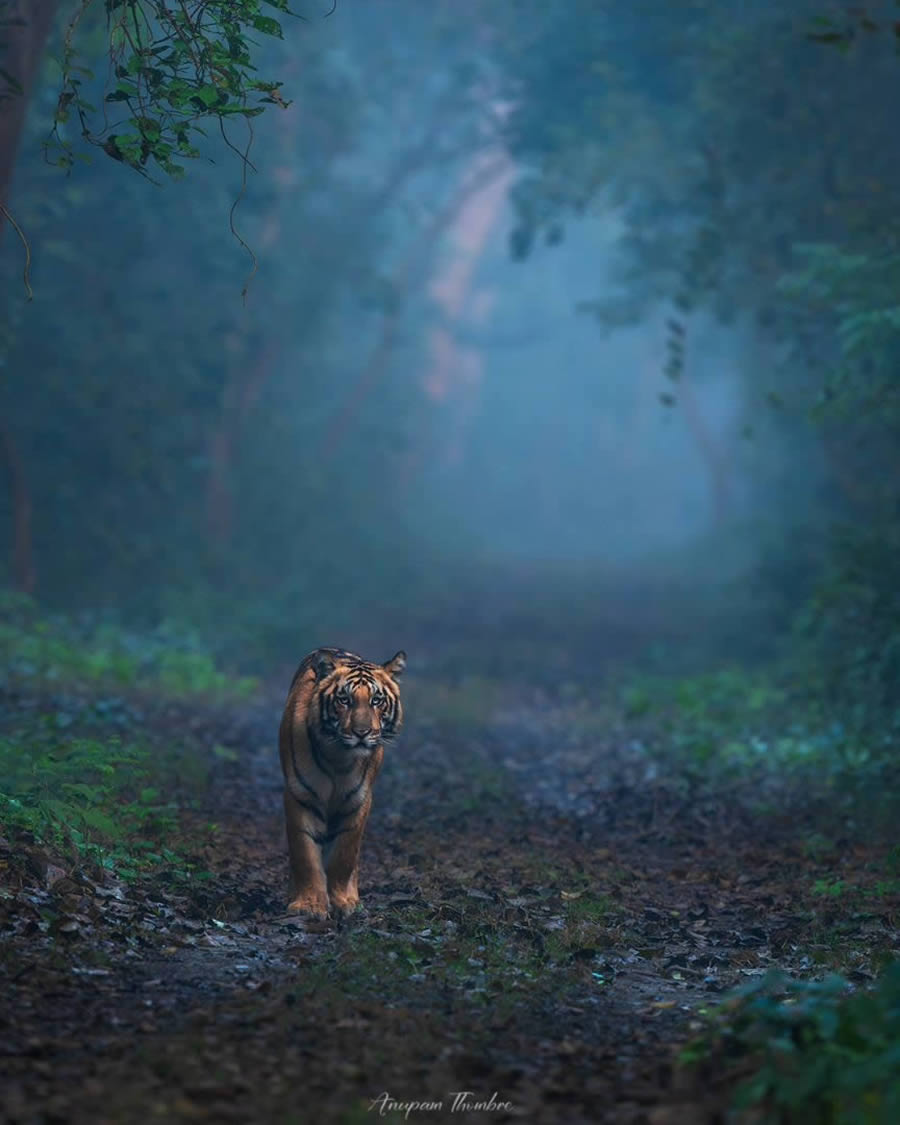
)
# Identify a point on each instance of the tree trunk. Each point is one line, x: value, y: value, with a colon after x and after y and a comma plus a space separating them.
x: 404, y: 283
x: 28, y: 24
x: 23, y: 571
x: 243, y: 387
x: 710, y: 450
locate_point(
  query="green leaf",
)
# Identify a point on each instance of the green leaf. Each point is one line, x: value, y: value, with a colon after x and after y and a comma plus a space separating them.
x: 268, y: 26
x: 101, y: 821
x: 208, y: 95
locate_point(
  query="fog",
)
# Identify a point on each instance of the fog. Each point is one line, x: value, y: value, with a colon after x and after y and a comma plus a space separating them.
x: 404, y: 417
x: 556, y: 447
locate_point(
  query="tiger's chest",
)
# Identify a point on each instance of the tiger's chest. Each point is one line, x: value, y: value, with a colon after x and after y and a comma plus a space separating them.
x: 342, y: 784
x: 345, y: 790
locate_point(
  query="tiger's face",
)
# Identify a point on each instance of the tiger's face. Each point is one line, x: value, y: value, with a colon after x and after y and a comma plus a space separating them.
x: 359, y: 702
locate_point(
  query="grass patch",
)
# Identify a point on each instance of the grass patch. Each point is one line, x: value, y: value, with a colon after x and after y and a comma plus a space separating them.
x: 588, y: 908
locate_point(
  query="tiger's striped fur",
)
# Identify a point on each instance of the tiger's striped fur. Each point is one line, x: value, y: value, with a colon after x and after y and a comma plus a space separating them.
x: 340, y: 712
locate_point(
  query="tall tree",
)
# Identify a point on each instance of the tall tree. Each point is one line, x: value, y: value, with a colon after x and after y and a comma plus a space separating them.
x: 24, y: 27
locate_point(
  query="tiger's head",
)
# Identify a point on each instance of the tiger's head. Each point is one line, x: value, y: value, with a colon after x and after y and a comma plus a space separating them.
x: 358, y: 702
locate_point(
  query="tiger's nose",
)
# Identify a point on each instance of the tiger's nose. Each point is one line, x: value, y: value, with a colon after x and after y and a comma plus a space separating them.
x: 362, y: 732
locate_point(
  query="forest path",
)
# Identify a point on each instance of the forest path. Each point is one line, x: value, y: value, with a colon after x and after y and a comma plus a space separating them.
x: 544, y: 916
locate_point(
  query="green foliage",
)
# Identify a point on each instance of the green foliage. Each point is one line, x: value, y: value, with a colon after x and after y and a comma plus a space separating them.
x: 853, y: 627
x: 93, y: 799
x: 714, y: 719
x: 705, y: 163
x: 831, y: 889
x: 588, y: 908
x: 190, y: 673
x: 173, y: 69
x: 702, y: 155
x: 855, y: 293
x: 821, y: 1053
x: 46, y: 651
x: 841, y: 33
x: 785, y: 724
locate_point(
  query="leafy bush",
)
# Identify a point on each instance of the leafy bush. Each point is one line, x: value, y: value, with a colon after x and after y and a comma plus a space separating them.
x: 848, y: 633
x: 792, y: 721
x: 716, y: 720
x: 95, y: 799
x: 850, y: 630
x: 38, y: 649
x: 822, y: 1054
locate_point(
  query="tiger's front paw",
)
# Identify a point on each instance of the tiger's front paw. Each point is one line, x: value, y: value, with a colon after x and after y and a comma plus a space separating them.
x: 314, y: 905
x: 344, y: 902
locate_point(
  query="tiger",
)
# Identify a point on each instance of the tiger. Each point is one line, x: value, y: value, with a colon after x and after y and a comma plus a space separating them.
x: 340, y: 712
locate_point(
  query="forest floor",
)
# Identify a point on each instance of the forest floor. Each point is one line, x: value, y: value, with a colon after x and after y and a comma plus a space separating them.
x: 547, y: 915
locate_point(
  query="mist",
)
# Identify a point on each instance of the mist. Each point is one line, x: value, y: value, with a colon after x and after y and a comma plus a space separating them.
x: 398, y: 402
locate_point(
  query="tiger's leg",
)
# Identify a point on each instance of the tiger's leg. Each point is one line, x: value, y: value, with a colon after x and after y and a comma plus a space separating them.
x: 342, y: 864
x: 308, y: 887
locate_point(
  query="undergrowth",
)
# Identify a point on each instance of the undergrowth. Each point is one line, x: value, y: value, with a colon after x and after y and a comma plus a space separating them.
x: 74, y: 778
x: 768, y: 726
x: 42, y: 652
x: 96, y: 800
x: 818, y: 1052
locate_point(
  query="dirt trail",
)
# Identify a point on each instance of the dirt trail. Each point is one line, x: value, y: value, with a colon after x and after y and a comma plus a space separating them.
x: 543, y: 919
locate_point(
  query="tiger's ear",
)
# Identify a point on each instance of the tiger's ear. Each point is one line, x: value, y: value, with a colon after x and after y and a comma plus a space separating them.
x: 324, y: 666
x: 395, y: 666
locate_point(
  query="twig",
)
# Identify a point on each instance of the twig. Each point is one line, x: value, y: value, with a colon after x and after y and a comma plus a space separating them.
x: 27, y: 270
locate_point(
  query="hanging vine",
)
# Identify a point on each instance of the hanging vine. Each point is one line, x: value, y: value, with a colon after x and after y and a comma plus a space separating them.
x: 174, y: 68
